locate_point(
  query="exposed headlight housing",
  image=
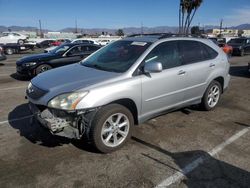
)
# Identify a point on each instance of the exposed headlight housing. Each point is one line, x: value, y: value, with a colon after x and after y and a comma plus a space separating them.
x: 67, y: 101
x: 29, y: 64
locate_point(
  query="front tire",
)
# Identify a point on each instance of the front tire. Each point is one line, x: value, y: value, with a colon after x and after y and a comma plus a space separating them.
x: 42, y: 68
x: 211, y: 96
x: 111, y: 128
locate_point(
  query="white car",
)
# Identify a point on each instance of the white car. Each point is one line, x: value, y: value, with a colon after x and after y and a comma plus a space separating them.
x: 13, y: 37
x: 104, y: 42
x: 84, y: 40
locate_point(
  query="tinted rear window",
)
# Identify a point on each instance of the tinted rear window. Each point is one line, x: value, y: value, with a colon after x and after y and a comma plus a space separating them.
x: 194, y: 51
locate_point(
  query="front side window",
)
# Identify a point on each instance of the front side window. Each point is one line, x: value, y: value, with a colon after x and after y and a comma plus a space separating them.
x: 116, y: 57
x: 75, y: 51
x: 166, y: 53
x: 60, y: 49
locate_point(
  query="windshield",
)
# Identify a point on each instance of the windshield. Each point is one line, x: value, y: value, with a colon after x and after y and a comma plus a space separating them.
x: 119, y: 56
x: 60, y: 49
x: 237, y: 41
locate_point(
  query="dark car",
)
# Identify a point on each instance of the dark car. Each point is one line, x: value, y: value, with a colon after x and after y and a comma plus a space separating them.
x: 45, y: 43
x: 2, y: 55
x: 241, y: 46
x: 62, y: 55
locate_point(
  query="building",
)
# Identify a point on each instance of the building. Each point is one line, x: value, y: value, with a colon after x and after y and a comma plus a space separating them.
x: 229, y: 32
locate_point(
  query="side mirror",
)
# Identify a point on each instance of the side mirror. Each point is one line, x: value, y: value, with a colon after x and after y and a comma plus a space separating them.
x: 153, y: 67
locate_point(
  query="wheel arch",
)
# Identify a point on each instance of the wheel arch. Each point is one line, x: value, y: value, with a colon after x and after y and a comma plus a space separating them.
x: 129, y: 104
x: 220, y: 79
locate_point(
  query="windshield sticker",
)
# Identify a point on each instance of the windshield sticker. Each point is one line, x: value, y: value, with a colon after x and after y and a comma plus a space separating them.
x: 139, y: 43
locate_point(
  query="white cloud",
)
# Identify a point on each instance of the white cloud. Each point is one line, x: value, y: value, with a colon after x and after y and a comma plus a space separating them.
x: 238, y: 16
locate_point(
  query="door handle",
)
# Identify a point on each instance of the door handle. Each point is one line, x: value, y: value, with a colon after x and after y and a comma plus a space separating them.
x: 212, y: 65
x: 181, y: 72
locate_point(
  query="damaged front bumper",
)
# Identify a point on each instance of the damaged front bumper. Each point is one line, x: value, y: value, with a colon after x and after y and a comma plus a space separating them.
x: 70, y: 124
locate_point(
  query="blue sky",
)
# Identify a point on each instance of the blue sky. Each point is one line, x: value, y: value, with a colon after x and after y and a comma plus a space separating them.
x: 58, y: 14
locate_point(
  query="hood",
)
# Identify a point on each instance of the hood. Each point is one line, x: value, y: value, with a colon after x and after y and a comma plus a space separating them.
x: 71, y: 78
x: 37, y: 58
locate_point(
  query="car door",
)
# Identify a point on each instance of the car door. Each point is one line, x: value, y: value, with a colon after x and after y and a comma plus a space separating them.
x: 198, y: 63
x: 73, y: 55
x: 163, y: 90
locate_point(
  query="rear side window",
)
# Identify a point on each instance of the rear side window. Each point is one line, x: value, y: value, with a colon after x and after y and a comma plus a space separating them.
x: 93, y: 48
x: 208, y: 52
x: 194, y: 52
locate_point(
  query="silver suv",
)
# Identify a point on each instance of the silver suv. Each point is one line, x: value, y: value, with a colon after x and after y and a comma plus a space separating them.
x: 126, y: 83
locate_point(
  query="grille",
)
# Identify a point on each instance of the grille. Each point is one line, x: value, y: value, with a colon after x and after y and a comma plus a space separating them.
x: 35, y: 92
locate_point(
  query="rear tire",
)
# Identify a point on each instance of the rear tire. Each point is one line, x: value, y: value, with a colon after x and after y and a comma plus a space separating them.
x: 111, y: 128
x: 9, y: 51
x: 212, y: 96
x: 42, y: 68
x: 20, y: 42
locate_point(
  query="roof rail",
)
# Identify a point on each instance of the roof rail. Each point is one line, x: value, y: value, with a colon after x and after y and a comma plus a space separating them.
x: 166, y: 35
x: 150, y: 34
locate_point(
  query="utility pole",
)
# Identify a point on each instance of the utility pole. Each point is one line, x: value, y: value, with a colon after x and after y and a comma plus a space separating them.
x: 221, y: 23
x: 76, y: 25
x: 141, y: 28
x: 40, y: 28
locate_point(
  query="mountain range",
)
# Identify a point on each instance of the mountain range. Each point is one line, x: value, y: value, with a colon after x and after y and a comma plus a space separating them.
x: 126, y: 30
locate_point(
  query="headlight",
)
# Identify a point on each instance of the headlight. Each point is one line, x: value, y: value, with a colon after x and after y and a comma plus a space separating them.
x: 29, y: 64
x: 67, y: 101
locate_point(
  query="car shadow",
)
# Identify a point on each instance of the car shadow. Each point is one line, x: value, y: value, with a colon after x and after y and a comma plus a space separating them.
x: 239, y: 71
x: 36, y: 134
x: 20, y: 77
x: 199, y: 168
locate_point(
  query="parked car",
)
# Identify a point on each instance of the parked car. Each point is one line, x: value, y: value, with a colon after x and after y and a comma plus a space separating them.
x: 2, y: 55
x: 59, y: 42
x: 51, y: 48
x: 221, y: 43
x: 63, y: 55
x: 249, y: 67
x: 13, y: 37
x: 128, y: 82
x: 83, y: 40
x: 226, y: 48
x: 241, y: 46
x: 86, y: 41
x: 103, y: 42
x: 45, y: 43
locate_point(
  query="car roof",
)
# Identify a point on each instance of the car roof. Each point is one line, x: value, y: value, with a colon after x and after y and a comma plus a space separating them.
x: 161, y: 36
x: 79, y: 44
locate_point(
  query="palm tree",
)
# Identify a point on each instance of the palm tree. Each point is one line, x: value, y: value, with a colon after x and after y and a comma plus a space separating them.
x: 187, y: 11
